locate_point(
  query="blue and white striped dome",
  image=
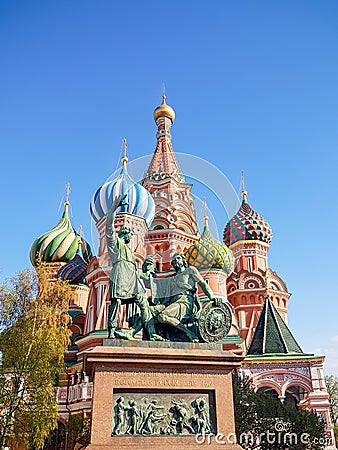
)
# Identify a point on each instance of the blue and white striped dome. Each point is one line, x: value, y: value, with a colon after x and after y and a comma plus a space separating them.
x: 138, y: 202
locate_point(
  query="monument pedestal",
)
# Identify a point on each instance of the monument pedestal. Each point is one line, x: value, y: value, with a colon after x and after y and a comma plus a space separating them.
x: 163, y: 395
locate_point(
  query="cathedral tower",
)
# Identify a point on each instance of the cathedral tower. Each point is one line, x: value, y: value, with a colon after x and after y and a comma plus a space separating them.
x: 249, y: 235
x: 174, y: 227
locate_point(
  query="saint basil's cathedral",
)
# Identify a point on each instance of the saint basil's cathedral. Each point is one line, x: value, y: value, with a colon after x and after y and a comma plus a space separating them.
x: 160, y: 209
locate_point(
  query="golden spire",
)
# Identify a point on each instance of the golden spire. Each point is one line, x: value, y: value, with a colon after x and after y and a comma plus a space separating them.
x: 243, y: 191
x: 205, y: 217
x: 66, y: 203
x: 80, y: 237
x: 124, y: 158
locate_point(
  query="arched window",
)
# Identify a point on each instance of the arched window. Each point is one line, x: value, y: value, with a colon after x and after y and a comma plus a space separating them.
x: 267, y: 390
x: 293, y: 395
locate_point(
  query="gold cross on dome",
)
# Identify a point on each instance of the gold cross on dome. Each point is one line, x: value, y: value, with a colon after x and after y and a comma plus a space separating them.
x: 124, y: 158
x: 205, y: 217
x: 67, y: 191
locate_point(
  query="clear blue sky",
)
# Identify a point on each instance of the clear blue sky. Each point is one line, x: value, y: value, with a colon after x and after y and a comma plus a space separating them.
x: 254, y: 87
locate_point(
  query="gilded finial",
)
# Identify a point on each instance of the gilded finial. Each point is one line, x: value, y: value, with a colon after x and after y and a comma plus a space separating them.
x: 205, y: 217
x: 243, y: 191
x: 67, y: 193
x: 124, y: 158
x: 79, y: 241
x: 81, y: 236
x: 164, y: 110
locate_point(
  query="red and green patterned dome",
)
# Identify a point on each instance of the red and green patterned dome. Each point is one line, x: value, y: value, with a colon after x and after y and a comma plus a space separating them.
x: 247, y: 225
x: 208, y: 253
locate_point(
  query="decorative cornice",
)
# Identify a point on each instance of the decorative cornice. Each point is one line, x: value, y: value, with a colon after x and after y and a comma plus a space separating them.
x: 249, y: 242
x: 281, y: 359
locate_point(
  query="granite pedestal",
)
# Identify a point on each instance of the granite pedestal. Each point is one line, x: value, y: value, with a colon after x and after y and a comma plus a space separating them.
x: 154, y: 380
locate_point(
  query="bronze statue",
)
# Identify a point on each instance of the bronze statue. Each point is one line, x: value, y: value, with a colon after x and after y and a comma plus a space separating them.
x: 149, y: 424
x: 133, y: 415
x: 179, y: 290
x: 120, y: 419
x: 126, y: 285
x: 148, y: 313
x: 201, y: 417
x: 187, y: 414
x: 174, y: 301
x: 180, y: 416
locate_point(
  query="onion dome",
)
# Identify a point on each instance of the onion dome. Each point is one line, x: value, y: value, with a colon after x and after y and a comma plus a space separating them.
x: 59, y: 244
x: 208, y: 253
x: 138, y: 200
x: 75, y: 270
x: 247, y: 225
x: 164, y: 110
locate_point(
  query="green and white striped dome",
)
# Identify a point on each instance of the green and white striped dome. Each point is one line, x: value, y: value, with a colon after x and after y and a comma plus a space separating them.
x: 60, y: 244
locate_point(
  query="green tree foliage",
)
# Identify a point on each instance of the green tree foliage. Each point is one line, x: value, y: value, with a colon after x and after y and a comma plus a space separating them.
x: 74, y: 435
x: 16, y: 294
x: 78, y: 432
x: 34, y: 336
x: 335, y: 431
x: 332, y: 388
x: 266, y: 423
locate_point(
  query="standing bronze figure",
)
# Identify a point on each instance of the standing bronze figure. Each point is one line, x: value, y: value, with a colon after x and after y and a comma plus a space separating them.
x: 125, y: 283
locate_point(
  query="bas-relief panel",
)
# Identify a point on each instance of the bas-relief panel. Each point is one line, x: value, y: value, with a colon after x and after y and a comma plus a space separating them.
x: 150, y: 412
